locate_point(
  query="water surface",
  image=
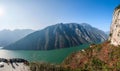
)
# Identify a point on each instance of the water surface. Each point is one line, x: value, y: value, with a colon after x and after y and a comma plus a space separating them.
x: 51, y: 56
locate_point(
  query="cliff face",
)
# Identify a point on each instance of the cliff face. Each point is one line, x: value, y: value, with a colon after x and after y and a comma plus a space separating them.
x: 115, y: 28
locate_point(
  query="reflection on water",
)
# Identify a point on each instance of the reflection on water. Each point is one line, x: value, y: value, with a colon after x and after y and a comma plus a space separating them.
x: 29, y: 55
x: 52, y: 56
x: 6, y: 54
x: 1, y: 47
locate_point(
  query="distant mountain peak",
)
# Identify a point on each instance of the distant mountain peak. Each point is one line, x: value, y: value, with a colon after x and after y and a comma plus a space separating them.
x: 9, y: 36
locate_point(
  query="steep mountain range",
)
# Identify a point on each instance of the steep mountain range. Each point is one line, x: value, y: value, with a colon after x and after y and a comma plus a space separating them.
x: 7, y: 36
x: 59, y: 36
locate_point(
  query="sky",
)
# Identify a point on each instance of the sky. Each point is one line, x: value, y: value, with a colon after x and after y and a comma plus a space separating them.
x: 38, y: 14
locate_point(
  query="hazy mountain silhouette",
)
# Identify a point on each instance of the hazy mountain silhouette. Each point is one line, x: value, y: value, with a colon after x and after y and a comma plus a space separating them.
x: 7, y: 36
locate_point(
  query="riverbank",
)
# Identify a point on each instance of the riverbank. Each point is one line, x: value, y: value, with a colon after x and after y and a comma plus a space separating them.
x: 18, y: 64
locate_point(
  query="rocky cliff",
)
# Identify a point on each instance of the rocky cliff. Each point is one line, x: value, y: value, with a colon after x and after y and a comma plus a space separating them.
x: 115, y: 27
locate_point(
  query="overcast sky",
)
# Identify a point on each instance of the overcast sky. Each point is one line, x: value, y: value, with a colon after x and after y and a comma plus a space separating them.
x: 37, y: 14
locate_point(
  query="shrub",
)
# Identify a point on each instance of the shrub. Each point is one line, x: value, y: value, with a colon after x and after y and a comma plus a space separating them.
x: 37, y: 66
x: 110, y: 34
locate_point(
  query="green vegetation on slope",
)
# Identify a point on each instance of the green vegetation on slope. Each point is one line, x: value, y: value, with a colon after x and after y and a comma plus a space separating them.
x: 118, y: 7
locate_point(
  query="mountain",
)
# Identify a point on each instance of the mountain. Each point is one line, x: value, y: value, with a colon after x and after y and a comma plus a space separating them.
x: 59, y: 36
x: 97, y: 57
x: 100, y: 57
x: 7, y: 36
x: 115, y: 28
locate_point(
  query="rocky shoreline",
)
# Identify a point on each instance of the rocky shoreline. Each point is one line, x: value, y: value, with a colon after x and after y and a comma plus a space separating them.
x: 14, y: 64
x: 14, y: 60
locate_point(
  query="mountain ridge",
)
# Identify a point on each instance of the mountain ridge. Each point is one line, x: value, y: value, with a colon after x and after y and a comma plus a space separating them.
x: 60, y: 36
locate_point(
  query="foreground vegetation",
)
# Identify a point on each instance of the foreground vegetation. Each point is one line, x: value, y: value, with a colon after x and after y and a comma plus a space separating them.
x: 100, y: 57
x: 34, y: 66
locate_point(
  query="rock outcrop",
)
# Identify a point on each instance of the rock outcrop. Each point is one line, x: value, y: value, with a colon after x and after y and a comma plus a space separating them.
x: 14, y: 64
x: 114, y: 37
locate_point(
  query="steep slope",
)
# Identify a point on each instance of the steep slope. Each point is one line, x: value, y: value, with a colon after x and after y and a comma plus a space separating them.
x: 7, y: 37
x: 60, y: 36
x: 102, y: 57
x: 115, y: 27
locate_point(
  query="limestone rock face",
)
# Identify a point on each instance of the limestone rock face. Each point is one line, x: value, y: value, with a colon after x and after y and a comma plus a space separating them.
x: 114, y: 37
